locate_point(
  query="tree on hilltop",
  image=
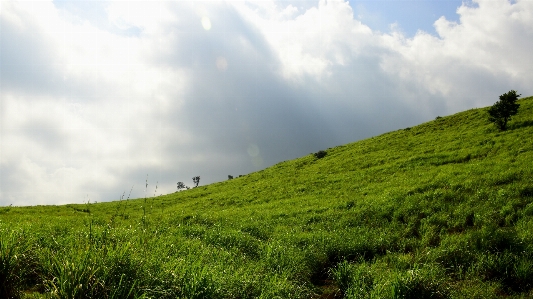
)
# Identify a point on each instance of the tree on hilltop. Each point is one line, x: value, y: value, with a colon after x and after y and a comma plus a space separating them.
x: 196, y: 181
x: 181, y: 186
x: 500, y: 113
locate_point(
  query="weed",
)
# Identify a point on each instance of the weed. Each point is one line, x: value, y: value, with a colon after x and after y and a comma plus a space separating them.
x: 72, y: 277
x: 15, y: 264
x: 415, y: 284
x: 354, y: 281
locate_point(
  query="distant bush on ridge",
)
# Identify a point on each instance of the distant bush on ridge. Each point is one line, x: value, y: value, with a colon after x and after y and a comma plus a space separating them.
x: 320, y: 154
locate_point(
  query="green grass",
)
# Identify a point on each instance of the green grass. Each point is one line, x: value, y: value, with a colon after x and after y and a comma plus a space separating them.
x: 440, y: 210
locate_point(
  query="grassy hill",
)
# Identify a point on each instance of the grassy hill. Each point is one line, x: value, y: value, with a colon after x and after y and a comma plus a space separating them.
x: 440, y: 210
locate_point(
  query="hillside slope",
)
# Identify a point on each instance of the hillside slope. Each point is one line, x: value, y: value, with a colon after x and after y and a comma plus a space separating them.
x: 440, y: 210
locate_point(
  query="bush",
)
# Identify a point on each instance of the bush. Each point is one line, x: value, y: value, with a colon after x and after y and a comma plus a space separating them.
x: 320, y: 154
x: 500, y: 113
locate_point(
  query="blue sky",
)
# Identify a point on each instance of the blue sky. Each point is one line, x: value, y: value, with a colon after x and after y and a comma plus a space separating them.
x: 97, y: 95
x: 410, y: 16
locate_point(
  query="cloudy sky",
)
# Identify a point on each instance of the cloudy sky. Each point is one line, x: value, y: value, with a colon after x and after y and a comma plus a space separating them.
x: 97, y: 97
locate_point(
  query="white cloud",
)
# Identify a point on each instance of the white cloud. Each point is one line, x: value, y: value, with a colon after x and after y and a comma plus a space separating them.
x: 149, y: 16
x: 99, y: 114
x: 311, y: 42
x: 88, y: 109
x: 485, y: 53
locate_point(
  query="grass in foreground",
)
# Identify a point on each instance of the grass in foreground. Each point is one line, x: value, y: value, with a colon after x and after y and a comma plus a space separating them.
x: 441, y: 210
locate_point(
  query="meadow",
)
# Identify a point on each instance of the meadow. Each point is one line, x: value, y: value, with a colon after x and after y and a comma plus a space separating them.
x: 440, y: 210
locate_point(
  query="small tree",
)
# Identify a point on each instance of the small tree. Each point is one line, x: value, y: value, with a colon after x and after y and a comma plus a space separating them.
x: 500, y: 113
x: 181, y: 186
x: 196, y: 181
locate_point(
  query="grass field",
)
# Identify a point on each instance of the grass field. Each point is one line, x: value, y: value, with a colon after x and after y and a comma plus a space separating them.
x: 440, y: 210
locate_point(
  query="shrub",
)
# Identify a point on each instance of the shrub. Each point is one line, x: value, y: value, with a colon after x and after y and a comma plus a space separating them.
x: 500, y: 113
x: 320, y: 154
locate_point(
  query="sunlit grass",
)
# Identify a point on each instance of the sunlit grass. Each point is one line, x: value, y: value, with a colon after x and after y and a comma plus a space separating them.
x: 440, y: 210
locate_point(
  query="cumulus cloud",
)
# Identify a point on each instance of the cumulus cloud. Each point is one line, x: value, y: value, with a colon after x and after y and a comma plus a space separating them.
x: 92, y: 103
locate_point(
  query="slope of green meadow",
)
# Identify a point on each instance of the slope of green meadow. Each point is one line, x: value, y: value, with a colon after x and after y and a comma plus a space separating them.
x: 440, y: 210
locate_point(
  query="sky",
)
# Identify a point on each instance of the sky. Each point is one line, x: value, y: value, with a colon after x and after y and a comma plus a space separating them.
x: 101, y: 100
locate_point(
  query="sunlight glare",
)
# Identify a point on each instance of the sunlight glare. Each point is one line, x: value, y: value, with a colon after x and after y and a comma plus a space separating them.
x: 253, y: 150
x: 222, y: 63
x: 206, y: 23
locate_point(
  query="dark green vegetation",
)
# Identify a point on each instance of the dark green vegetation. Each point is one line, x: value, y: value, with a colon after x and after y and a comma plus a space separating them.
x: 501, y: 112
x: 440, y: 210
